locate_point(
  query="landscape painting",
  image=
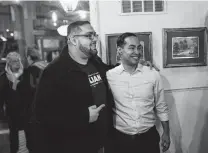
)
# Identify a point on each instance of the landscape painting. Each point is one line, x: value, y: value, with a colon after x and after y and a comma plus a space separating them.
x: 185, y: 47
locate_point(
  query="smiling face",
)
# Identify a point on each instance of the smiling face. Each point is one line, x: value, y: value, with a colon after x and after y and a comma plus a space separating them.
x: 14, y: 65
x: 13, y: 61
x: 130, y: 53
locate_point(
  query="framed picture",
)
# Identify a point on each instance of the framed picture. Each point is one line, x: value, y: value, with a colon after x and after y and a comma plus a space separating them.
x: 51, y: 43
x: 145, y: 39
x: 47, y: 44
x: 184, y: 47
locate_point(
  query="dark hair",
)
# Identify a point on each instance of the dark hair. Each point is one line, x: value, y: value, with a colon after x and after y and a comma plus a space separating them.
x: 121, y: 39
x: 33, y: 53
x: 49, y: 57
x: 75, y: 26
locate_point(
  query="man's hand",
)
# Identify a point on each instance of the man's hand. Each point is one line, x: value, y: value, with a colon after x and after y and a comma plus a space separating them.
x: 148, y: 63
x: 94, y: 112
x: 13, y: 77
x: 165, y: 144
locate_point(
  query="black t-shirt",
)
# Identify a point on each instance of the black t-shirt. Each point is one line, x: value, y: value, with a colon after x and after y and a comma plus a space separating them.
x: 96, y: 83
x: 100, y: 97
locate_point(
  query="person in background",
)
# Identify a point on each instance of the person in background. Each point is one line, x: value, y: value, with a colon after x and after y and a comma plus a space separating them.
x: 10, y: 97
x: 52, y: 55
x: 28, y: 85
x: 35, y: 67
x: 139, y: 98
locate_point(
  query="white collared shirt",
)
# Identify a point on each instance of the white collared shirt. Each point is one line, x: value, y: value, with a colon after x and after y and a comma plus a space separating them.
x: 138, y: 98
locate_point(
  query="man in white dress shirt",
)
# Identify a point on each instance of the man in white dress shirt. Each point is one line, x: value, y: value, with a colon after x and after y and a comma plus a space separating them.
x: 139, y: 98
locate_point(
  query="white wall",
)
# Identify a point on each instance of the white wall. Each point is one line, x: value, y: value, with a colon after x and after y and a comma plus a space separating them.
x: 189, y: 107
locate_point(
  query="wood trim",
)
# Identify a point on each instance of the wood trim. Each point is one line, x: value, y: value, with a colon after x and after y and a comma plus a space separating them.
x: 185, y: 89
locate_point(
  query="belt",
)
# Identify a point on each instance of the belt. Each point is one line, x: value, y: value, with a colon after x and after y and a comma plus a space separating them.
x: 121, y: 134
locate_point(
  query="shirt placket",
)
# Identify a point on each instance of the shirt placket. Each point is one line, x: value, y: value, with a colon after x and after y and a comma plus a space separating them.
x: 136, y: 103
x: 133, y: 102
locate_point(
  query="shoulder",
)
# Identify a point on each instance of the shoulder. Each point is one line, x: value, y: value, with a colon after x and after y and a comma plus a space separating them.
x: 114, y: 71
x: 3, y: 77
x: 155, y: 75
x: 98, y: 61
x: 53, y: 69
x: 2, y: 74
x: 33, y: 68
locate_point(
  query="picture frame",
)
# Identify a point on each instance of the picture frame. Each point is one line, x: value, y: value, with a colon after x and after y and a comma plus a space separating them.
x: 184, y: 47
x: 47, y: 44
x: 145, y: 39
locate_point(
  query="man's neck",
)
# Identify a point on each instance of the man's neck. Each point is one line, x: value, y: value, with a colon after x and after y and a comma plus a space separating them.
x: 129, y: 68
x: 74, y: 54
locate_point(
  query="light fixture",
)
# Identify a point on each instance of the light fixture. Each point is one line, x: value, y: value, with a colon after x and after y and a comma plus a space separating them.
x: 54, y: 17
x: 3, y: 38
x: 7, y: 30
x: 55, y: 24
x: 12, y: 34
x: 62, y: 30
x: 82, y: 14
x: 69, y: 5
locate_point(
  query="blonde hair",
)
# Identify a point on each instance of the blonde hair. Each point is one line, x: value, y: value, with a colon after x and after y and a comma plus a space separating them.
x: 12, y: 56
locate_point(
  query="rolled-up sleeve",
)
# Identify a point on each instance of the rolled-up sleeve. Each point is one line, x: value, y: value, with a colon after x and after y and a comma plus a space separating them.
x: 161, y: 106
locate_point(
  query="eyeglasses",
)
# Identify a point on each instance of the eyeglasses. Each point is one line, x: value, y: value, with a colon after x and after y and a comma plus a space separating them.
x: 91, y: 36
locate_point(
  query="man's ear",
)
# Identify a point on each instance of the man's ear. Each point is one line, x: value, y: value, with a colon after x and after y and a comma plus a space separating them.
x: 71, y: 40
x: 119, y: 51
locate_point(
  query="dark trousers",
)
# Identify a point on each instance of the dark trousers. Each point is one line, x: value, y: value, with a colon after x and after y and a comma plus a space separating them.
x: 13, y: 137
x: 29, y: 135
x: 147, y: 142
x: 47, y: 140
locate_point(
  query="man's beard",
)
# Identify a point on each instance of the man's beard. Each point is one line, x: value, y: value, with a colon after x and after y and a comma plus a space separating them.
x: 88, y: 52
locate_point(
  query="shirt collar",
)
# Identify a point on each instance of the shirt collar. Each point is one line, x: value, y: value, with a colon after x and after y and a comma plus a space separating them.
x: 121, y: 68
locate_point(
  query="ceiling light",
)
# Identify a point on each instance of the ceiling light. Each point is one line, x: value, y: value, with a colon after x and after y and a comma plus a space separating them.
x: 62, y: 30
x: 7, y: 30
x: 55, y: 24
x: 69, y: 5
x: 82, y: 14
x: 54, y: 17
x: 3, y: 38
x: 12, y: 34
